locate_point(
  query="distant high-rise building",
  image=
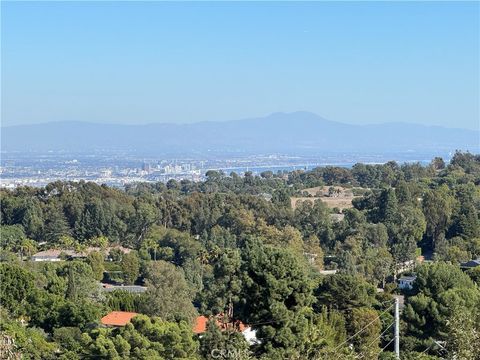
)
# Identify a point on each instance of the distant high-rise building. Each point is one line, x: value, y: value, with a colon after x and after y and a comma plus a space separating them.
x: 146, y: 167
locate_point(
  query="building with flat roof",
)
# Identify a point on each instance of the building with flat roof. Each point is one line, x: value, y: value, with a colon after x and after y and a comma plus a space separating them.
x: 136, y: 289
x: 56, y: 255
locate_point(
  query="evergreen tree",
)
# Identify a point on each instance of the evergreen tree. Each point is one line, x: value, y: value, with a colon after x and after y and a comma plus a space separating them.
x: 277, y: 296
x: 168, y: 295
x: 95, y: 260
x: 130, y: 265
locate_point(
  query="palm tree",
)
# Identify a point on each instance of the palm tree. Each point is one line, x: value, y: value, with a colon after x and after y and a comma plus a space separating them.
x: 27, y: 247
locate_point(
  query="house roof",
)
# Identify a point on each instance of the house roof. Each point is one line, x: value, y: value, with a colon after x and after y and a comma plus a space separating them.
x: 408, y: 278
x: 118, y: 318
x: 47, y: 253
x: 471, y: 263
x: 328, y: 272
x: 55, y: 253
x: 201, y: 324
x: 128, y: 288
x: 108, y: 249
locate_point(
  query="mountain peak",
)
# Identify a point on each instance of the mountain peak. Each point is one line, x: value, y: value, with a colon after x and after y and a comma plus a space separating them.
x: 288, y: 133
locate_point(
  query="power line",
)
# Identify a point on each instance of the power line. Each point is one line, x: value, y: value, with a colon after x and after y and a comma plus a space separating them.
x: 377, y: 338
x: 386, y: 345
x: 351, y: 337
x: 428, y: 348
x: 364, y: 328
x: 339, y: 310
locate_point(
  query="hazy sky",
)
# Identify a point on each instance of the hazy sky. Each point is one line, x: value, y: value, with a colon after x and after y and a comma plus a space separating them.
x: 182, y: 62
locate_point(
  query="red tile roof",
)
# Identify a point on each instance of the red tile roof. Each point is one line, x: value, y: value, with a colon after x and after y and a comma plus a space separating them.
x: 118, y: 318
x: 201, y: 324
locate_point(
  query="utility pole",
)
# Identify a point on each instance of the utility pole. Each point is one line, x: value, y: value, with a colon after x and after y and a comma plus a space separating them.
x: 397, y: 329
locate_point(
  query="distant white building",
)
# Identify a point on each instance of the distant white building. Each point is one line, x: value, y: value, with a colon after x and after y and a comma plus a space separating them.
x: 328, y: 272
x: 406, y: 282
x: 56, y: 255
x: 250, y: 335
x: 134, y: 289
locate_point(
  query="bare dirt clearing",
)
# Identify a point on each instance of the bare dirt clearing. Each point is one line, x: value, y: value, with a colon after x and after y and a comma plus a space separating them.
x: 333, y: 196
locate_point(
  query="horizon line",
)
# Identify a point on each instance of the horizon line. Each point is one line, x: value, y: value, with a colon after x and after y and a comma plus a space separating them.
x: 238, y: 120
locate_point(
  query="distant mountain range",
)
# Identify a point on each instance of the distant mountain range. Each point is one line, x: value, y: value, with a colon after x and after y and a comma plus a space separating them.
x: 294, y: 133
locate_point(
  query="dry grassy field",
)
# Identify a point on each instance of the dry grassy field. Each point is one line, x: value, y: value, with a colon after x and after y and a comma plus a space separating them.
x: 342, y: 201
x: 324, y: 189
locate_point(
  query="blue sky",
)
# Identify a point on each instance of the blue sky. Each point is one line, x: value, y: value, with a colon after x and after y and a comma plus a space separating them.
x: 361, y: 62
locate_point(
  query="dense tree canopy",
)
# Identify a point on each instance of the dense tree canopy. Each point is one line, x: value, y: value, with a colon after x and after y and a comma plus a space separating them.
x: 239, y: 248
